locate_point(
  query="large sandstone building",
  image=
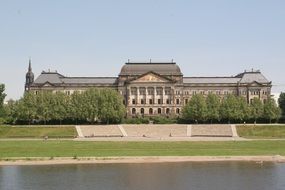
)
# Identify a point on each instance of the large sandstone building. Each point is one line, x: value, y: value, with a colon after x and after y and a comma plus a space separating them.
x: 155, y: 88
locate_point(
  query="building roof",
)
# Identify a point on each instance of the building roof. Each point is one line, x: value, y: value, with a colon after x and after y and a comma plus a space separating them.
x: 211, y: 80
x: 243, y: 78
x: 142, y: 68
x: 51, y: 77
x: 249, y: 77
x: 89, y: 80
x: 56, y: 78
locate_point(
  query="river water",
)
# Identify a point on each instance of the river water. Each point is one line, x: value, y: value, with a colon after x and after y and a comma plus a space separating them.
x: 158, y: 176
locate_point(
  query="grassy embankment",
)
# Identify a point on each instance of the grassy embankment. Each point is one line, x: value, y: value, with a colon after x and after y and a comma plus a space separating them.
x: 37, y: 131
x: 28, y: 149
x: 261, y: 131
x: 102, y: 149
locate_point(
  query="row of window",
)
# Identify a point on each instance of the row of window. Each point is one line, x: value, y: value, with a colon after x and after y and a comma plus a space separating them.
x: 257, y: 92
x: 150, y: 91
x: 150, y: 111
x: 251, y: 101
x: 168, y: 92
x: 66, y: 92
x: 159, y: 101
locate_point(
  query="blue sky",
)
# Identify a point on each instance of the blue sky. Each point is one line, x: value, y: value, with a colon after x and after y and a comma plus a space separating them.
x: 95, y: 38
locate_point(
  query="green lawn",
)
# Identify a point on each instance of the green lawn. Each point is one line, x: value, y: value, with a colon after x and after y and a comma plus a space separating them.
x: 37, y: 131
x: 103, y: 149
x: 261, y: 131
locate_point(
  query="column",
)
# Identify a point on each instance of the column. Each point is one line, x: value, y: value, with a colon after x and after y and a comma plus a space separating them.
x: 154, y: 95
x: 137, y: 95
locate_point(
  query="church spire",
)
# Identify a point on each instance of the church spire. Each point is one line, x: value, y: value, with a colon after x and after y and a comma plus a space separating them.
x: 29, y: 76
x: 30, y: 65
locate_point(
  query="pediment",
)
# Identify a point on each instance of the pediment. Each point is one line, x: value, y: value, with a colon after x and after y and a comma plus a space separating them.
x: 151, y: 77
x: 47, y: 84
x: 255, y: 83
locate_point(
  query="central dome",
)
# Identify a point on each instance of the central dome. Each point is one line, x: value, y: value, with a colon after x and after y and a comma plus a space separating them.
x: 142, y: 68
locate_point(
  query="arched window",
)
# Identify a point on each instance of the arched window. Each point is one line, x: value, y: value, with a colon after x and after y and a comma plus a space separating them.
x: 177, y: 101
x: 159, y: 110
x: 150, y: 111
x: 167, y: 110
x: 177, y: 110
x: 134, y: 111
x: 142, y: 111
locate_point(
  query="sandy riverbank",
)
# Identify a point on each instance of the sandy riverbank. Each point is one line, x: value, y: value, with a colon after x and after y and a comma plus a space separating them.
x: 160, y: 159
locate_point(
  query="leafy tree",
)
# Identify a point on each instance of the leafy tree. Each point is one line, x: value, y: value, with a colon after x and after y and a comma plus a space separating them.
x: 243, y: 111
x: 111, y: 106
x: 2, y: 98
x: 27, y: 107
x: 196, y: 109
x: 281, y: 102
x: 213, y: 107
x: 11, y: 111
x: 256, y: 109
x: 75, y: 107
x: 45, y: 106
x: 60, y: 106
x: 90, y: 105
x: 271, y: 110
x: 230, y: 108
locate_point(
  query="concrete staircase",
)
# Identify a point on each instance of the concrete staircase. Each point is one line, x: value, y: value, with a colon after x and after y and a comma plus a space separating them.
x: 157, y: 131
x: 211, y: 131
x: 101, y: 131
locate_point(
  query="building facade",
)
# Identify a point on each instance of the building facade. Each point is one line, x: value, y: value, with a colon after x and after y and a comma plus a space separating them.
x: 155, y: 88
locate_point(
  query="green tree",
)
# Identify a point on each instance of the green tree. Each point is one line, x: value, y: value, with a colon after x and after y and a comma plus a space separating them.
x: 281, y: 102
x: 230, y: 108
x: 59, y: 106
x: 256, y: 109
x: 75, y: 107
x: 90, y: 104
x: 213, y: 107
x: 45, y: 106
x: 27, y: 107
x: 243, y: 111
x: 112, y: 109
x: 271, y: 110
x: 196, y: 109
x: 11, y: 111
x: 2, y: 98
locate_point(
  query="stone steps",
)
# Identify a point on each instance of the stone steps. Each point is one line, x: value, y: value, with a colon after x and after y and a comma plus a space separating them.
x: 211, y: 131
x: 150, y: 130
x: 101, y: 131
x: 156, y: 130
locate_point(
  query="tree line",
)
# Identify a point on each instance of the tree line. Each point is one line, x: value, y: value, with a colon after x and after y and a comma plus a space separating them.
x: 90, y: 106
x: 106, y: 106
x: 229, y: 109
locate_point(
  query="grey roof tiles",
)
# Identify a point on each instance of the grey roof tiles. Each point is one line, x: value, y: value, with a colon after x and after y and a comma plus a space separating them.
x: 249, y: 77
x: 142, y: 68
x: 206, y: 80
x: 56, y: 78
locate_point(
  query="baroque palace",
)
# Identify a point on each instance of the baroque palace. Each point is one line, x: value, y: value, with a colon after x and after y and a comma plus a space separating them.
x: 155, y: 88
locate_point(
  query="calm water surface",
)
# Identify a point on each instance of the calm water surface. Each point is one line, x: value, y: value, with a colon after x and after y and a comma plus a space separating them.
x: 164, y: 176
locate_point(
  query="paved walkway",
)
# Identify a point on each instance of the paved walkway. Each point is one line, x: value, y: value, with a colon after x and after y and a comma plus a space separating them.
x: 142, y: 139
x: 162, y: 139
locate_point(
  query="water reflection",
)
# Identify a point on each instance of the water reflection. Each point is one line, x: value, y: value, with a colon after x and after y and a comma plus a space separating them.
x: 165, y: 176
